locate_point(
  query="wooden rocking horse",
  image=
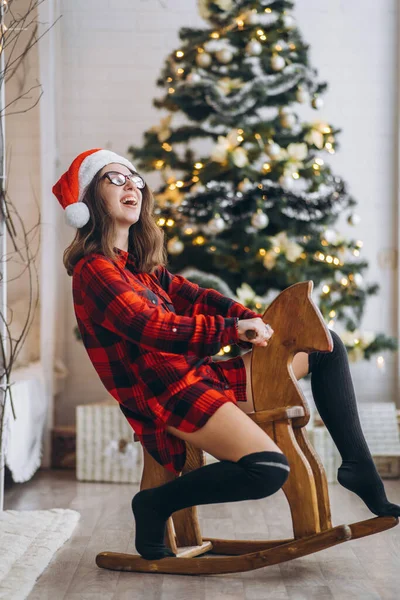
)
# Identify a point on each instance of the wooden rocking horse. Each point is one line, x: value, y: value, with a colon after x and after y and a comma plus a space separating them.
x: 282, y: 412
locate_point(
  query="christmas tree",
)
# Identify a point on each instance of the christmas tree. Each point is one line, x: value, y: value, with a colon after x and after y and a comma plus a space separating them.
x: 246, y: 192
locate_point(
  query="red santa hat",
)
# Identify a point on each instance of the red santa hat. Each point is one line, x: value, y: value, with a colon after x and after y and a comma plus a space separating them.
x: 70, y: 188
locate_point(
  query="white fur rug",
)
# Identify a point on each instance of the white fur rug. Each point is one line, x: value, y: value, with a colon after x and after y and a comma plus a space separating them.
x: 28, y: 541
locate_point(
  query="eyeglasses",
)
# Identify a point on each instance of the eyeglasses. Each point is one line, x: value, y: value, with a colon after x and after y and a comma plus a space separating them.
x: 120, y: 179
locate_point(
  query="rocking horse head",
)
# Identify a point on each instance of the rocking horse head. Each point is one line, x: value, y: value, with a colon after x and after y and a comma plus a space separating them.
x: 298, y: 327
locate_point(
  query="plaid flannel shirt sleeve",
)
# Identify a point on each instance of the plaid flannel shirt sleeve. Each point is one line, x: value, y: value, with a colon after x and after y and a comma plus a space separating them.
x: 190, y: 299
x: 110, y: 301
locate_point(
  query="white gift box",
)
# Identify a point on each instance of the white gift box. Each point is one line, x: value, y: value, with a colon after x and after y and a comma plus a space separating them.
x: 105, y: 450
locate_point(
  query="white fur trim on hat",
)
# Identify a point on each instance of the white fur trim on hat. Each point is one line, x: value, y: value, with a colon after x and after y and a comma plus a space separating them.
x: 77, y: 214
x: 93, y: 163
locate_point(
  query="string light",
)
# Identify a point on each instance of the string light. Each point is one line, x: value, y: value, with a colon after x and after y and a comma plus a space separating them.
x: 198, y: 165
x: 199, y: 240
x: 344, y: 281
x: 215, y: 35
x: 171, y: 90
x: 179, y: 54
x: 166, y: 147
x: 326, y: 289
x: 332, y: 313
x: 380, y: 361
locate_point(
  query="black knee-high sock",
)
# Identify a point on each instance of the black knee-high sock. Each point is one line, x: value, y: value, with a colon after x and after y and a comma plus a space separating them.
x: 335, y: 399
x: 254, y: 476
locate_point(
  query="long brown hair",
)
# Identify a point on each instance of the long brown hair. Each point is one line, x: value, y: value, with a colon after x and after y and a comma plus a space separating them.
x: 145, y: 240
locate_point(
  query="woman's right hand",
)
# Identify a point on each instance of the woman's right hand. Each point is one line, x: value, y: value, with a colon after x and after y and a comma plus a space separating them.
x: 259, y: 332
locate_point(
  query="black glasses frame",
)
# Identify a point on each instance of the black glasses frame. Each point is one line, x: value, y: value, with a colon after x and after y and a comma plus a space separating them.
x: 131, y: 176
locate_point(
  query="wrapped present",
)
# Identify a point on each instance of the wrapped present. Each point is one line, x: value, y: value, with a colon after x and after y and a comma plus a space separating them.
x: 105, y: 449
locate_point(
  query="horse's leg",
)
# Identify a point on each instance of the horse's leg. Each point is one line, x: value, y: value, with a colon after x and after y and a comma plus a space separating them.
x: 300, y: 369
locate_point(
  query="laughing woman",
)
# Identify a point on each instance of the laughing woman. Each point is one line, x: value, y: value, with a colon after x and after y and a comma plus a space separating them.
x: 151, y: 335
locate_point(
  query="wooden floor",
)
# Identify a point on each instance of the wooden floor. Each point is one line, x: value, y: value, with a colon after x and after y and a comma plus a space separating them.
x: 367, y: 569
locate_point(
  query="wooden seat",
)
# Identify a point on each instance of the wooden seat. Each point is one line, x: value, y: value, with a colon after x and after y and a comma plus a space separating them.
x: 282, y: 412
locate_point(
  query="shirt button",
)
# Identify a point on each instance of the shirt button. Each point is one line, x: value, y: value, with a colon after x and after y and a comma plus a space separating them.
x: 174, y: 329
x: 154, y: 301
x: 226, y: 386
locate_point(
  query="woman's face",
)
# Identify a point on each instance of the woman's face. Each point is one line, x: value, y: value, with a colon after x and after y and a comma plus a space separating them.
x: 123, y: 202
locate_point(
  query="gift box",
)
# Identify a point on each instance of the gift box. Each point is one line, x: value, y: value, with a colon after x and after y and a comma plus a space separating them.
x: 105, y: 449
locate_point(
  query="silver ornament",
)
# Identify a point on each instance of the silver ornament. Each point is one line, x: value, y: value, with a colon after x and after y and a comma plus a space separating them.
x: 317, y: 102
x: 288, y: 22
x: 331, y: 236
x: 216, y: 225
x: 288, y: 121
x: 273, y: 150
x: 259, y: 220
x: 277, y: 62
x: 193, y: 77
x: 224, y: 56
x: 354, y: 219
x: 203, y: 59
x: 175, y: 246
x: 358, y: 279
x: 302, y: 95
x: 254, y: 47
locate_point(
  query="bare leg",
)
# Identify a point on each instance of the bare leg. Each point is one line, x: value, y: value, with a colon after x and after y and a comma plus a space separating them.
x: 300, y: 369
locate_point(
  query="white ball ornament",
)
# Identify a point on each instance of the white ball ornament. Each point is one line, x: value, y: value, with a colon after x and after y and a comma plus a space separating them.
x: 317, y: 102
x: 277, y: 62
x: 175, y: 246
x: 358, y: 279
x: 331, y: 236
x: 245, y: 185
x: 203, y: 59
x: 354, y: 219
x: 193, y: 77
x: 302, y: 95
x: 259, y: 220
x: 273, y: 150
x: 77, y: 214
x: 287, y: 182
x: 216, y: 225
x: 224, y: 56
x: 252, y: 18
x: 254, y: 48
x: 288, y: 22
x: 288, y: 120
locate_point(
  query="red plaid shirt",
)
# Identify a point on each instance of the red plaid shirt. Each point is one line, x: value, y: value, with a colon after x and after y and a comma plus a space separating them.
x: 146, y: 334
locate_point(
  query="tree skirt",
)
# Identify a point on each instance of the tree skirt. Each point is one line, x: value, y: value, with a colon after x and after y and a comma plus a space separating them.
x: 29, y: 539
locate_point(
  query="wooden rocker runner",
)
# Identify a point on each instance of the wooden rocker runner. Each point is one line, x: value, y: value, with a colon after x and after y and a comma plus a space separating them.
x: 282, y: 412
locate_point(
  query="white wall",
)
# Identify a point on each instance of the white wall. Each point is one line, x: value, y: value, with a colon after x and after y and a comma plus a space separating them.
x: 112, y: 54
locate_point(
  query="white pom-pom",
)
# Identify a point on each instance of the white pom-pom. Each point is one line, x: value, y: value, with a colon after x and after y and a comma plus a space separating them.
x: 77, y: 214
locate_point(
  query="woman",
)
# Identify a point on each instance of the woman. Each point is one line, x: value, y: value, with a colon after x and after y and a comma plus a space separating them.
x: 150, y: 336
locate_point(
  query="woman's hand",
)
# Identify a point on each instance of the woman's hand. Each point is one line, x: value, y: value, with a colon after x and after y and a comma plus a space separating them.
x: 255, y: 331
